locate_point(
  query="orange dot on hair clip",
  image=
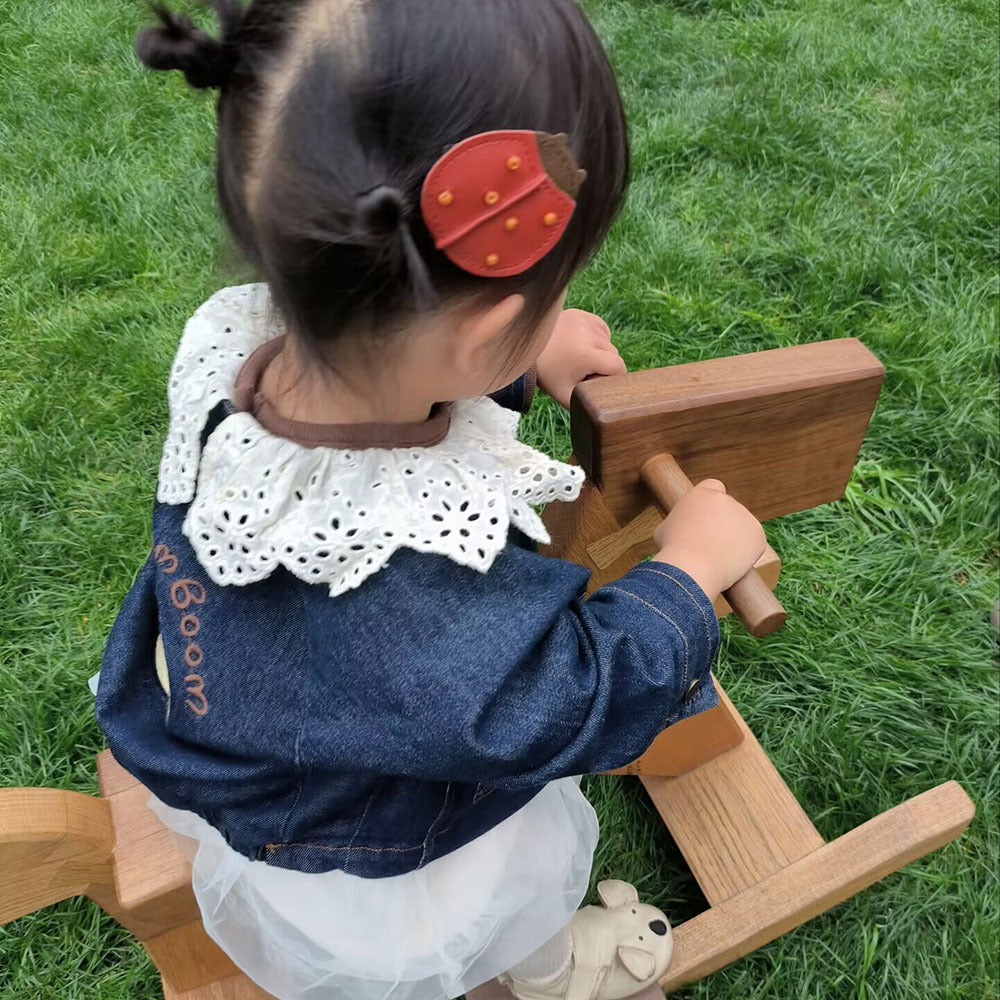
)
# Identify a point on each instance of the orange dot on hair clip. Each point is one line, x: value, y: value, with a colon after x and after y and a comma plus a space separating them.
x: 492, y: 260
x: 445, y: 198
x: 511, y: 224
x: 491, y: 197
x: 513, y: 162
x: 550, y: 218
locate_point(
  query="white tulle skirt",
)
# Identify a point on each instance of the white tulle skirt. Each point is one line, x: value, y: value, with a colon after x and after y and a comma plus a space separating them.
x: 431, y: 934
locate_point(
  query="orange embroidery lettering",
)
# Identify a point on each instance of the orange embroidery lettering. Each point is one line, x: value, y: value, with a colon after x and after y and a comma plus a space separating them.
x: 189, y: 626
x: 166, y: 559
x: 184, y: 593
x: 196, y: 690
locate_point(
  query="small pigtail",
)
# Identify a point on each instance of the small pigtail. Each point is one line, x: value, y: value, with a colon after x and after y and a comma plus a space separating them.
x: 382, y: 213
x: 176, y: 43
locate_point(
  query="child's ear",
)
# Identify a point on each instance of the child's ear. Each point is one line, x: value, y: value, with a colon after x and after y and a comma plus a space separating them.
x: 480, y: 329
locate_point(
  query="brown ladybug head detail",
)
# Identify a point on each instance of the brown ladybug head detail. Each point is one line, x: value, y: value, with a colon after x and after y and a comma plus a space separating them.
x: 498, y: 202
x: 558, y: 162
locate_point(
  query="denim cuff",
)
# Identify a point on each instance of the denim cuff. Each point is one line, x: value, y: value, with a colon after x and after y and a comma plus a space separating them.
x: 700, y: 698
x: 671, y: 590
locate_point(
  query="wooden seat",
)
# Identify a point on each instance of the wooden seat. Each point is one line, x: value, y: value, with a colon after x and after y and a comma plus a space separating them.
x: 152, y: 883
x: 56, y: 844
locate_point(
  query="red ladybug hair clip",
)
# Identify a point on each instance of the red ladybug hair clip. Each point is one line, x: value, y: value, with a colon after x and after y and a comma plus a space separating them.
x: 498, y: 202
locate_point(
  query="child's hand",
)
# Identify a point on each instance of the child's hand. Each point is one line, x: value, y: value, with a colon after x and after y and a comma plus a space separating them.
x: 580, y: 346
x: 710, y: 536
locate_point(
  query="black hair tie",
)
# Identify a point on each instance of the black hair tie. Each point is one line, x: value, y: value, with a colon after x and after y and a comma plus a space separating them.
x: 383, y: 213
x: 177, y: 43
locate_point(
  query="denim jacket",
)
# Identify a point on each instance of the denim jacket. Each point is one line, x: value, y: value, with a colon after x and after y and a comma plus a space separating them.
x: 385, y: 727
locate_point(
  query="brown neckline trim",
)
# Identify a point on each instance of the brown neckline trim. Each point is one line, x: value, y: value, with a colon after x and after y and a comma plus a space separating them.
x: 249, y: 399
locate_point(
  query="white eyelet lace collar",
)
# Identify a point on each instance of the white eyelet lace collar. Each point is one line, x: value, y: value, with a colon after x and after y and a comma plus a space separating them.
x: 331, y: 515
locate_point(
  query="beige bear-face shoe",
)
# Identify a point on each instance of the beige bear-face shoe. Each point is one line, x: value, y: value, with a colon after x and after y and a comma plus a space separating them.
x: 494, y: 991
x: 619, y: 951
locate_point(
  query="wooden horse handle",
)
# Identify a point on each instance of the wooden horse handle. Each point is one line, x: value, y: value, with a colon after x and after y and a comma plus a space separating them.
x: 749, y: 597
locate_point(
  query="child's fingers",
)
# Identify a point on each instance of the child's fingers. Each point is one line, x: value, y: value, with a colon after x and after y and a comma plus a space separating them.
x: 602, y: 329
x: 712, y: 484
x: 606, y: 362
x: 589, y: 325
x: 600, y: 332
x: 612, y: 363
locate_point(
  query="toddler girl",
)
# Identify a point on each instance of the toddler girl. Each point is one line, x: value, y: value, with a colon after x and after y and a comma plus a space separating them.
x: 356, y: 691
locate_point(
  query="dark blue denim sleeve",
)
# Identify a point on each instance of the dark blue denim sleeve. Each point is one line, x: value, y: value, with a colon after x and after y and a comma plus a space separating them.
x: 512, y: 677
x: 518, y: 395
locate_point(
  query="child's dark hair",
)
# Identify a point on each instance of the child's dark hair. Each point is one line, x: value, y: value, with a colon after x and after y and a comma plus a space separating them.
x: 332, y: 112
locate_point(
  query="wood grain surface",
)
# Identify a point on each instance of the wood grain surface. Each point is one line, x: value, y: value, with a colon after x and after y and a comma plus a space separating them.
x: 53, y: 844
x: 780, y: 428
x: 152, y: 879
x: 734, y: 818
x: 817, y: 881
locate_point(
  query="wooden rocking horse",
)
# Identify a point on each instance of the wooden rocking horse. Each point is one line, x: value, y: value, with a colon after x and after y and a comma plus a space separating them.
x: 782, y: 429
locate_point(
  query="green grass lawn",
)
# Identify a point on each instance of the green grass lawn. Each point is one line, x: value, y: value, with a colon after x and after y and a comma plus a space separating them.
x: 804, y: 169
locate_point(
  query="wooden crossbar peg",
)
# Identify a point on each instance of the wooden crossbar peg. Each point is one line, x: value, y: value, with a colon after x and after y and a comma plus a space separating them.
x: 750, y: 598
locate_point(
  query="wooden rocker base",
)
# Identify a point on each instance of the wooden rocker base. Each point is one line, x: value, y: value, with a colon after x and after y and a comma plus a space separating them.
x: 808, y: 887
x: 816, y: 882
x: 763, y: 872
x: 236, y: 987
x: 761, y: 864
x: 494, y: 991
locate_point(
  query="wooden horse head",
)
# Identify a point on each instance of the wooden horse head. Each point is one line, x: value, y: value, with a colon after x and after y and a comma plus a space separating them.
x: 781, y: 428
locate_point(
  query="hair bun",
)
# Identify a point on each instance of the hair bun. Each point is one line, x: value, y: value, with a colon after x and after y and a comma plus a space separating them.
x: 383, y: 213
x: 382, y: 210
x: 177, y: 43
